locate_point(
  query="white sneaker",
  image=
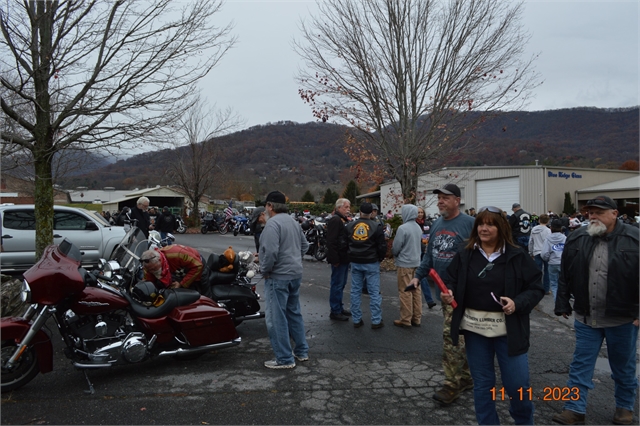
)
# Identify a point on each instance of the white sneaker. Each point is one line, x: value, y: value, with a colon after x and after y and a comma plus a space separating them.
x: 301, y: 358
x: 273, y: 364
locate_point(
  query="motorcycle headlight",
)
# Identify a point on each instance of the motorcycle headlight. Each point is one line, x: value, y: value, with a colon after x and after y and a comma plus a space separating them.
x: 110, y: 268
x: 25, y: 293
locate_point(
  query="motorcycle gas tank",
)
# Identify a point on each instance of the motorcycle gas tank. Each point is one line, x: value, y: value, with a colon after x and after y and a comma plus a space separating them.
x: 93, y: 301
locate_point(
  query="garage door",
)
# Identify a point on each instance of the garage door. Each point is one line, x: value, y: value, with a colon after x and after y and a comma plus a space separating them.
x: 500, y: 193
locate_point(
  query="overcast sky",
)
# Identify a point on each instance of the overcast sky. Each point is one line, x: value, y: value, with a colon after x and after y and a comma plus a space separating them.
x: 588, y: 57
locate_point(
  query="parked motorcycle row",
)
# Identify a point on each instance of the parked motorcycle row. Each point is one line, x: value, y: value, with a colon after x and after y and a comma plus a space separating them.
x: 110, y: 316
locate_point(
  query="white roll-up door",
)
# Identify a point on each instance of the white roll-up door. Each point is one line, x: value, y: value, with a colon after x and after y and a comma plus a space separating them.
x: 500, y: 193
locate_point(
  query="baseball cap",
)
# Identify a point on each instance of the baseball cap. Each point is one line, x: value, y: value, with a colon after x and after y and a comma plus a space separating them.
x: 515, y: 205
x: 449, y: 189
x: 374, y: 206
x: 256, y: 214
x: 603, y: 202
x: 556, y: 223
x: 366, y: 208
x: 276, y: 197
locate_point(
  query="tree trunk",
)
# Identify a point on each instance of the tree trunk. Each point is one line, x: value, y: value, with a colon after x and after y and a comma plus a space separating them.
x: 44, y: 200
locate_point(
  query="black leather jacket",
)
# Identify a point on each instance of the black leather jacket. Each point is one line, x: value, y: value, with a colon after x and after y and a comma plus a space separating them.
x: 622, y: 272
x: 523, y: 285
x: 366, y: 241
x: 337, y: 242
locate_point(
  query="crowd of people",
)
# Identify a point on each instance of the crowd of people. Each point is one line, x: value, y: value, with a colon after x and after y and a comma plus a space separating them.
x: 493, y: 265
x: 496, y: 267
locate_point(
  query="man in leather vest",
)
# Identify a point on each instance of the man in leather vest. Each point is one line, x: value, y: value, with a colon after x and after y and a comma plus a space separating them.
x: 367, y: 248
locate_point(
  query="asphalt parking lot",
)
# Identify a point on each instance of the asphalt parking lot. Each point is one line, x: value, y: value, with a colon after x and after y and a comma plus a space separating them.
x: 354, y: 376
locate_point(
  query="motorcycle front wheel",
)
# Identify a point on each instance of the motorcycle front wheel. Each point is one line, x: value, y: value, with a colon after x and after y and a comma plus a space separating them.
x: 182, y: 229
x: 321, y: 252
x: 204, y: 229
x: 22, y: 373
x: 223, y: 229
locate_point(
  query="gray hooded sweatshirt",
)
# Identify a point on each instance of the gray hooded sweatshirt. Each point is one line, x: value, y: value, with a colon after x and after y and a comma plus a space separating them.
x: 553, y: 248
x: 407, y: 245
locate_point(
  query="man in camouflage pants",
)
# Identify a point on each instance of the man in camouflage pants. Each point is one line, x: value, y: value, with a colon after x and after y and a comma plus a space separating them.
x: 447, y: 235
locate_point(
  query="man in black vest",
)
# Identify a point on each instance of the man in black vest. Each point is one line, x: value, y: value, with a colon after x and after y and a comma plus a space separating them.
x: 520, y: 222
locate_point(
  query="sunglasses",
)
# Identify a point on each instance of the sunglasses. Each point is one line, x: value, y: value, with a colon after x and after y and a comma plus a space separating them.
x: 483, y: 273
x: 491, y: 209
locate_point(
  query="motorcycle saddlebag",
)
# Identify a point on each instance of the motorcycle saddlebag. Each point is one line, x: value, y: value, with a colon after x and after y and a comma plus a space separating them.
x: 204, y: 323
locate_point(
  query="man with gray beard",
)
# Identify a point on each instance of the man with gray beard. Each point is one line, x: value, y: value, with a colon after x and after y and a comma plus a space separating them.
x: 599, y: 267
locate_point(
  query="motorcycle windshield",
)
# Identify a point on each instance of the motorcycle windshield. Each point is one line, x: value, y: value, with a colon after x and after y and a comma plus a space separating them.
x: 128, y: 252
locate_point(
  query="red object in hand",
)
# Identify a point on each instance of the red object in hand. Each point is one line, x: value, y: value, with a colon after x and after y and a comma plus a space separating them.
x: 443, y: 288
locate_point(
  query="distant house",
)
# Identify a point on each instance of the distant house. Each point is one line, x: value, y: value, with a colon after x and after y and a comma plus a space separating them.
x: 159, y: 196
x: 20, y: 191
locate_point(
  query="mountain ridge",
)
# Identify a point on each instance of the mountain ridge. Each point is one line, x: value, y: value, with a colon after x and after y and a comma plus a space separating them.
x: 296, y: 157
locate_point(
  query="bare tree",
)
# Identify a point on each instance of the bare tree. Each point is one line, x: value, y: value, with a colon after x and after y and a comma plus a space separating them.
x: 410, y: 74
x: 196, y: 167
x: 96, y: 74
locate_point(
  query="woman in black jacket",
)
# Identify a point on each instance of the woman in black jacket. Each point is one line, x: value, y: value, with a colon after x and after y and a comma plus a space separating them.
x: 496, y: 285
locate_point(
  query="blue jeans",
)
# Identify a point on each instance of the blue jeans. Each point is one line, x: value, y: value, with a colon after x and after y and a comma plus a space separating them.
x: 163, y: 235
x: 554, y: 273
x: 523, y: 242
x: 426, y: 290
x: 338, y: 282
x: 621, y: 349
x: 544, y: 267
x: 284, y: 319
x: 369, y: 273
x: 514, y: 370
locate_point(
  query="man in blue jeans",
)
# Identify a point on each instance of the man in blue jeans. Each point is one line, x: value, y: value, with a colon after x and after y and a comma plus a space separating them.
x: 338, y: 258
x: 282, y: 245
x: 367, y: 248
x: 599, y: 268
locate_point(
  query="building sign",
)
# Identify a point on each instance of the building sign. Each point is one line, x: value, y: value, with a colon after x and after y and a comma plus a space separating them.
x: 564, y: 175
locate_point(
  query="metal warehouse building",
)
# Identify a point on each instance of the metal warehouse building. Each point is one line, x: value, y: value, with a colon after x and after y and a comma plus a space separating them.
x: 537, y: 188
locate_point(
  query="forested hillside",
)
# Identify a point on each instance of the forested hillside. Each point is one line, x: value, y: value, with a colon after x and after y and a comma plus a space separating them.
x: 296, y: 157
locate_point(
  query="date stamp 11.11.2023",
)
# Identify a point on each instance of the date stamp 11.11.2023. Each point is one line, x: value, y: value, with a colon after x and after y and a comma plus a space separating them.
x: 549, y: 393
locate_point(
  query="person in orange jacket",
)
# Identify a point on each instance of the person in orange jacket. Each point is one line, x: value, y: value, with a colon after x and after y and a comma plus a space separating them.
x: 172, y: 266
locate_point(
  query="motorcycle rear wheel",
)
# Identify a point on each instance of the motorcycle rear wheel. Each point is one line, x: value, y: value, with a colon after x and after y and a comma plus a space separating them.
x: 204, y: 229
x: 235, y: 232
x: 223, y: 229
x: 24, y: 372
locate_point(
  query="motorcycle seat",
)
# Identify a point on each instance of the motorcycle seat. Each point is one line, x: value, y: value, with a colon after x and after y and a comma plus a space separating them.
x: 172, y: 299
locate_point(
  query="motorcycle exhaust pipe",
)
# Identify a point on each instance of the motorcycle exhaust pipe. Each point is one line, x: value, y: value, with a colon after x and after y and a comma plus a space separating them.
x: 199, y: 349
x: 250, y: 317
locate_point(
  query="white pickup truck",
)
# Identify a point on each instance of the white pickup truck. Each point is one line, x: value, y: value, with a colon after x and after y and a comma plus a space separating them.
x: 88, y: 230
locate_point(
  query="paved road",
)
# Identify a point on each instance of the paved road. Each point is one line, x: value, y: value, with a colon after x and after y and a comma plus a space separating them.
x: 354, y: 376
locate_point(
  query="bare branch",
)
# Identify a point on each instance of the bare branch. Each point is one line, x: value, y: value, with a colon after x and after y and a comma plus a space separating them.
x: 411, y: 74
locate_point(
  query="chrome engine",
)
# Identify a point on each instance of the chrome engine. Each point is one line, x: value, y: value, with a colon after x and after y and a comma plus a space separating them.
x: 107, y: 339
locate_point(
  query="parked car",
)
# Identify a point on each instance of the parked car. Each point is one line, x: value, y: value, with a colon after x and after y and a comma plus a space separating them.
x: 88, y: 230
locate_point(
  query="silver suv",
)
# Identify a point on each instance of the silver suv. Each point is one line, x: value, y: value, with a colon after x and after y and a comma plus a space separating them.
x: 88, y: 230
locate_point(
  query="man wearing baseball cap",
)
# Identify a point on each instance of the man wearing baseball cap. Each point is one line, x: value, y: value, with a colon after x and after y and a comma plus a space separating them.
x: 367, y: 248
x: 282, y: 245
x: 447, y: 234
x: 599, y: 269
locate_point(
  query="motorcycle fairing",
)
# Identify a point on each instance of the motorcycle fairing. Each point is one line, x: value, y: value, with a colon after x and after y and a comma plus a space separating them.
x: 15, y: 328
x: 54, y: 277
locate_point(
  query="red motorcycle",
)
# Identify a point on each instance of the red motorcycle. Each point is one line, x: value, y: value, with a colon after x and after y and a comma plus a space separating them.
x: 106, y: 317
